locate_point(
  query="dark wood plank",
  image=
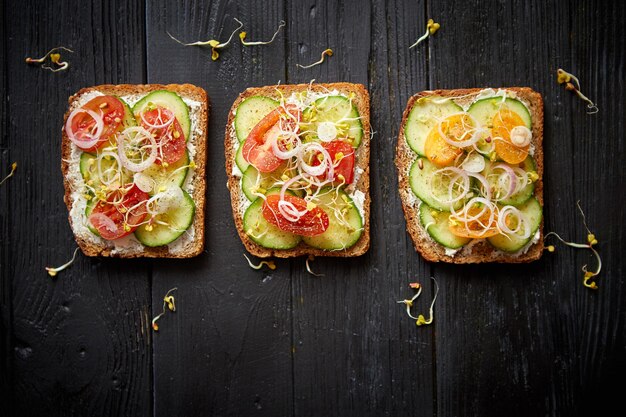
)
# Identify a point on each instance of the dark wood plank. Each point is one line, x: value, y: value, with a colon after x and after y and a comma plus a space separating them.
x: 6, y: 371
x: 227, y: 350
x: 356, y: 352
x: 531, y: 340
x: 81, y: 341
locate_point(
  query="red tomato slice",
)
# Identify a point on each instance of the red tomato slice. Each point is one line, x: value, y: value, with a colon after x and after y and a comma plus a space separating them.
x: 112, y: 111
x: 312, y: 223
x: 109, y: 219
x: 171, y: 138
x: 257, y: 148
x: 345, y: 165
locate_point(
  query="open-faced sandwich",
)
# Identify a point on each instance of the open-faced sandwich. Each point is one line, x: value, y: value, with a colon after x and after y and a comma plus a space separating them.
x: 297, y: 160
x: 133, y: 162
x: 470, y: 166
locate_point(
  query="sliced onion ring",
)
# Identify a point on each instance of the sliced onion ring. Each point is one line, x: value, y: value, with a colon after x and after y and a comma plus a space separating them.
x: 478, y: 131
x: 161, y: 111
x: 512, y: 179
x: 326, y: 163
x: 103, y: 221
x: 92, y: 138
x: 131, y: 134
x: 474, y: 162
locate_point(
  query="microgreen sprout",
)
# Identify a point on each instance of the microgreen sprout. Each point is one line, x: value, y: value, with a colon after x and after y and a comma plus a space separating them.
x: 420, y: 319
x: 270, y: 264
x: 13, y: 168
x: 214, y: 44
x: 311, y: 258
x: 55, y: 58
x: 573, y: 84
x: 431, y: 28
x: 53, y: 271
x: 243, y: 34
x: 325, y: 52
x: 169, y: 303
x: 409, y: 303
x: 588, y: 277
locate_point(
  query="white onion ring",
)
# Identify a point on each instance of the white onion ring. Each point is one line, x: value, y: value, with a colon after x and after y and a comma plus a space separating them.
x: 286, y: 154
x: 287, y: 184
x: 325, y: 165
x: 104, y: 220
x: 143, y: 182
x: 478, y: 131
x: 486, y: 187
x: 474, y: 163
x: 522, y: 221
x: 521, y: 136
x: 459, y: 174
x: 161, y: 126
x: 133, y: 166
x: 289, y: 211
x: 117, y: 176
x: 512, y: 179
x: 93, y: 138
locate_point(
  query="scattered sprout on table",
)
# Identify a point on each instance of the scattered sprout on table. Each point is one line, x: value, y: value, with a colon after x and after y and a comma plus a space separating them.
x: 325, y: 52
x: 311, y: 258
x: 13, y: 168
x: 214, y: 44
x: 431, y: 28
x: 169, y: 303
x: 53, y: 271
x: 270, y: 264
x: 572, y: 84
x: 55, y: 60
x: 243, y: 34
x: 588, y: 277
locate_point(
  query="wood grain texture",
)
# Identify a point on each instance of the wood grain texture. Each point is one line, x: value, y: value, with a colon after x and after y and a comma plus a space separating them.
x: 80, y: 341
x: 518, y: 341
x: 227, y: 350
x: 528, y: 340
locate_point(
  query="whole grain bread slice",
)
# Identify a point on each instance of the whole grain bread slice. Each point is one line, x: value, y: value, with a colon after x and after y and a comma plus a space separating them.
x: 91, y: 246
x: 477, y: 251
x: 362, y: 102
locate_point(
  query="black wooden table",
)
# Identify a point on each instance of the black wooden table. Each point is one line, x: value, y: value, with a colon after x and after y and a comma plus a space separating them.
x: 523, y: 340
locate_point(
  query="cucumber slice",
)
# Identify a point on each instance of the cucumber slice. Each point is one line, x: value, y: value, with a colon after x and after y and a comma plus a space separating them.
x: 437, y: 227
x: 89, y: 170
x: 484, y: 110
x: 345, y: 223
x: 423, y: 187
x: 254, y: 182
x: 88, y: 209
x: 240, y: 161
x: 178, y: 220
x: 263, y: 232
x: 174, y: 174
x: 519, y: 197
x: 169, y: 100
x: 250, y: 112
x: 338, y: 110
x: 424, y: 117
x: 533, y: 212
x: 129, y: 117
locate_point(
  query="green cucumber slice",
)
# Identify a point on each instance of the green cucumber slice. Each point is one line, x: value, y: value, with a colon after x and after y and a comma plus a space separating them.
x: 169, y: 100
x: 420, y: 180
x: 424, y: 116
x: 338, y: 110
x: 250, y: 112
x: 240, y: 161
x: 345, y: 224
x: 264, y: 233
x: 174, y: 174
x: 88, y: 209
x: 254, y: 182
x: 533, y: 212
x: 129, y: 117
x: 178, y: 219
x: 519, y: 197
x: 89, y: 170
x: 436, y: 224
x: 483, y: 110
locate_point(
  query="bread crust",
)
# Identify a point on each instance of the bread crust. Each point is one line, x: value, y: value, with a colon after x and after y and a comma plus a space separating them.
x: 198, y: 196
x: 362, y: 102
x: 480, y: 251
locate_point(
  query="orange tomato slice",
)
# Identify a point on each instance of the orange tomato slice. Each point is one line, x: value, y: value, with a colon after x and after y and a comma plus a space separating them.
x: 476, y: 228
x: 503, y: 122
x: 456, y: 128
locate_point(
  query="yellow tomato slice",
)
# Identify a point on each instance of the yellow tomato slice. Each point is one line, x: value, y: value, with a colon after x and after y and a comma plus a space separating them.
x: 457, y: 128
x: 476, y: 229
x: 503, y: 122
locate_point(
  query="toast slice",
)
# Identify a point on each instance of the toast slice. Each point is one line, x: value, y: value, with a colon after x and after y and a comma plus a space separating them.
x: 477, y: 250
x: 360, y: 99
x: 191, y: 242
